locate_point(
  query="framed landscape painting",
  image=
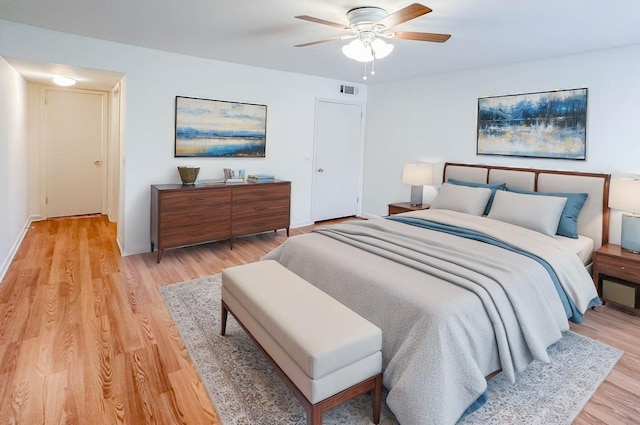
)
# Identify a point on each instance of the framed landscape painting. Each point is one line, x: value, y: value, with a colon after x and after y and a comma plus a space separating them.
x: 217, y: 128
x: 549, y: 124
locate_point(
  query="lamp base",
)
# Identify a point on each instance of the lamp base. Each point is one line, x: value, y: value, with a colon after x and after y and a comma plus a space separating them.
x: 416, y: 195
x: 630, y: 235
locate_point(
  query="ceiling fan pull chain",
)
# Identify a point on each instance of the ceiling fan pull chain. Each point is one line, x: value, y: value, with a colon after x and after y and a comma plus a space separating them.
x: 364, y: 77
x: 373, y: 65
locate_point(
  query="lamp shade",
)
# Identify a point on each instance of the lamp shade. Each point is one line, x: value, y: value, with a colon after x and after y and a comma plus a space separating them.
x: 417, y: 174
x: 624, y: 195
x: 358, y: 51
x: 380, y: 48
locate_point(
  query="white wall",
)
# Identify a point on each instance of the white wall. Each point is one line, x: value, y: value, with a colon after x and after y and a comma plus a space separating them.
x: 433, y: 119
x: 153, y: 79
x: 14, y: 215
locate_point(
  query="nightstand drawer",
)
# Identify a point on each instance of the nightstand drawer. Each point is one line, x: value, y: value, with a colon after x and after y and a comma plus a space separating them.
x: 617, y: 267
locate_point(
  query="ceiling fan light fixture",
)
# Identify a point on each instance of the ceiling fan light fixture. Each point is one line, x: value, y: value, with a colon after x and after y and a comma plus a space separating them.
x: 381, y: 49
x: 358, y: 51
x: 369, y: 26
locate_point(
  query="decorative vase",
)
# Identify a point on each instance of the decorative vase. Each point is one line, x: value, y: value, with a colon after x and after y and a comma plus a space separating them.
x: 188, y: 175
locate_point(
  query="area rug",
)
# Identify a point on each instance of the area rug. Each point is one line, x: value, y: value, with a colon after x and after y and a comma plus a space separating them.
x: 245, y: 389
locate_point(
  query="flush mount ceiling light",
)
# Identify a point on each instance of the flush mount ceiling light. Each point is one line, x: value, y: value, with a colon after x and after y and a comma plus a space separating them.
x: 63, y: 81
x: 369, y: 25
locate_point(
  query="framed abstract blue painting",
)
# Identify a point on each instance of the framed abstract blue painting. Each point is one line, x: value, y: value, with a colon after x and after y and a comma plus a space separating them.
x: 218, y: 128
x: 549, y: 124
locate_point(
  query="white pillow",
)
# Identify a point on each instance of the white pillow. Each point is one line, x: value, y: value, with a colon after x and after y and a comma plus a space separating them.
x: 465, y: 199
x: 535, y: 212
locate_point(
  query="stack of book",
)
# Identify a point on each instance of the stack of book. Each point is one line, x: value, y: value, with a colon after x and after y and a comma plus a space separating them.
x: 260, y: 178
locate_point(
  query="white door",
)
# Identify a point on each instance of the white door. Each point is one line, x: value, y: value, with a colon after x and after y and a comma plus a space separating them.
x: 337, y: 160
x: 74, y: 138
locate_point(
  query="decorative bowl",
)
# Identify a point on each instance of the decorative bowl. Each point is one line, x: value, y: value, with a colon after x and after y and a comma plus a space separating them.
x: 188, y: 175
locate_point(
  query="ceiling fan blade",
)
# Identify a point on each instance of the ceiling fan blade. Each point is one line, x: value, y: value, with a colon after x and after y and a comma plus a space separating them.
x: 338, y: 37
x: 422, y: 36
x: 403, y: 15
x: 322, y: 21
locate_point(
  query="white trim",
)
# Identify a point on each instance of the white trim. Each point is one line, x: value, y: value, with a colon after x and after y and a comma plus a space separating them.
x: 122, y: 250
x: 370, y: 216
x: 4, y: 268
x: 363, y: 119
x: 300, y: 224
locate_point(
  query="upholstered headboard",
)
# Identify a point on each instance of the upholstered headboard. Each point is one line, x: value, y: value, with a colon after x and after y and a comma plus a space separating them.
x: 593, y: 220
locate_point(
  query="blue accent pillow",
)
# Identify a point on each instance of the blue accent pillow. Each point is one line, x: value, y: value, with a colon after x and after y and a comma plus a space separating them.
x: 492, y: 186
x: 568, y: 225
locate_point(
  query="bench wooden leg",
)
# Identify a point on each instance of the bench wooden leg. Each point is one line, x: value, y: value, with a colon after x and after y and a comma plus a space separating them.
x: 314, y: 415
x: 223, y: 319
x: 376, y: 399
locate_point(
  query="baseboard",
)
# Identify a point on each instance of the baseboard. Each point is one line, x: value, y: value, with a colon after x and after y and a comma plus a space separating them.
x: 300, y: 224
x: 370, y: 216
x: 122, y: 254
x: 110, y: 216
x: 4, y: 268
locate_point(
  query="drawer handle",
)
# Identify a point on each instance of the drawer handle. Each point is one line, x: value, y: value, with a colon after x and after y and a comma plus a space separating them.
x: 621, y: 267
x: 197, y: 198
x: 196, y: 216
x: 259, y: 208
x: 196, y: 233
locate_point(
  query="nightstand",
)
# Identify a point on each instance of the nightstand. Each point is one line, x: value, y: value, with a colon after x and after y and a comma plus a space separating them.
x: 616, y: 274
x: 401, y: 207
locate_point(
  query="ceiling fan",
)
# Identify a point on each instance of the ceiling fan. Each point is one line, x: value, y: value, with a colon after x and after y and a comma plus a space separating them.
x: 368, y: 24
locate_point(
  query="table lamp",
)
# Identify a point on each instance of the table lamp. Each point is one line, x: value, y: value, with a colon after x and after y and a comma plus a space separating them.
x: 625, y: 196
x: 417, y: 175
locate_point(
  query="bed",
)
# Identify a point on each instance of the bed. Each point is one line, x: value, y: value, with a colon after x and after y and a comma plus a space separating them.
x: 459, y: 290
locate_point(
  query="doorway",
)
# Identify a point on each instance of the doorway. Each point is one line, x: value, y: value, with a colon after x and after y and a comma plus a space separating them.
x: 74, y: 142
x: 337, y: 163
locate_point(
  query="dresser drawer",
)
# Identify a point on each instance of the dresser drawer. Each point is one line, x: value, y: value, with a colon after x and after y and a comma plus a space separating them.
x: 616, y: 267
x: 194, y: 199
x: 195, y: 233
x: 262, y: 209
x: 198, y: 214
x: 260, y: 191
x: 249, y: 226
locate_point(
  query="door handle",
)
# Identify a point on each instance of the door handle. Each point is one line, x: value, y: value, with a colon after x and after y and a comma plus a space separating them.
x: 321, y: 170
x: 98, y: 163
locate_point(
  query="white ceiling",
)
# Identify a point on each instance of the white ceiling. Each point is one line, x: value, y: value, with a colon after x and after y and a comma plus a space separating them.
x: 262, y: 32
x: 86, y: 78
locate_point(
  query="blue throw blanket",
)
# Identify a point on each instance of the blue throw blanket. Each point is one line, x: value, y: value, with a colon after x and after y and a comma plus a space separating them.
x: 569, y: 306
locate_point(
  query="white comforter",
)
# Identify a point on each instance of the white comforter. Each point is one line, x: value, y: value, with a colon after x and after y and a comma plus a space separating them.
x: 451, y: 310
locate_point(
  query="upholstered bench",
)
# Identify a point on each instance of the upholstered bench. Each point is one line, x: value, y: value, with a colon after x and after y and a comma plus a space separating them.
x: 325, y: 353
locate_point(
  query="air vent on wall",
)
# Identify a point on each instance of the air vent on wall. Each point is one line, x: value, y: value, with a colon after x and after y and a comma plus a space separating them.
x: 348, y: 89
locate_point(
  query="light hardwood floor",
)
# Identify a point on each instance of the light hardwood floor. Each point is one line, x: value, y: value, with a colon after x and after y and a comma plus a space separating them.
x: 85, y: 337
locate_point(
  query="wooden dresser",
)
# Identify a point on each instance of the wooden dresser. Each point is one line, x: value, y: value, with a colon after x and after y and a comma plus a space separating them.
x: 187, y: 215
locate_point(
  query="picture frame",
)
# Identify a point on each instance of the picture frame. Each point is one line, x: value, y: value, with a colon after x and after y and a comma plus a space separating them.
x: 219, y: 128
x: 551, y: 124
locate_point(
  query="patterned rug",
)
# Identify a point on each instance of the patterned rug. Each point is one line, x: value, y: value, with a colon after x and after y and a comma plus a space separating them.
x: 245, y: 389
